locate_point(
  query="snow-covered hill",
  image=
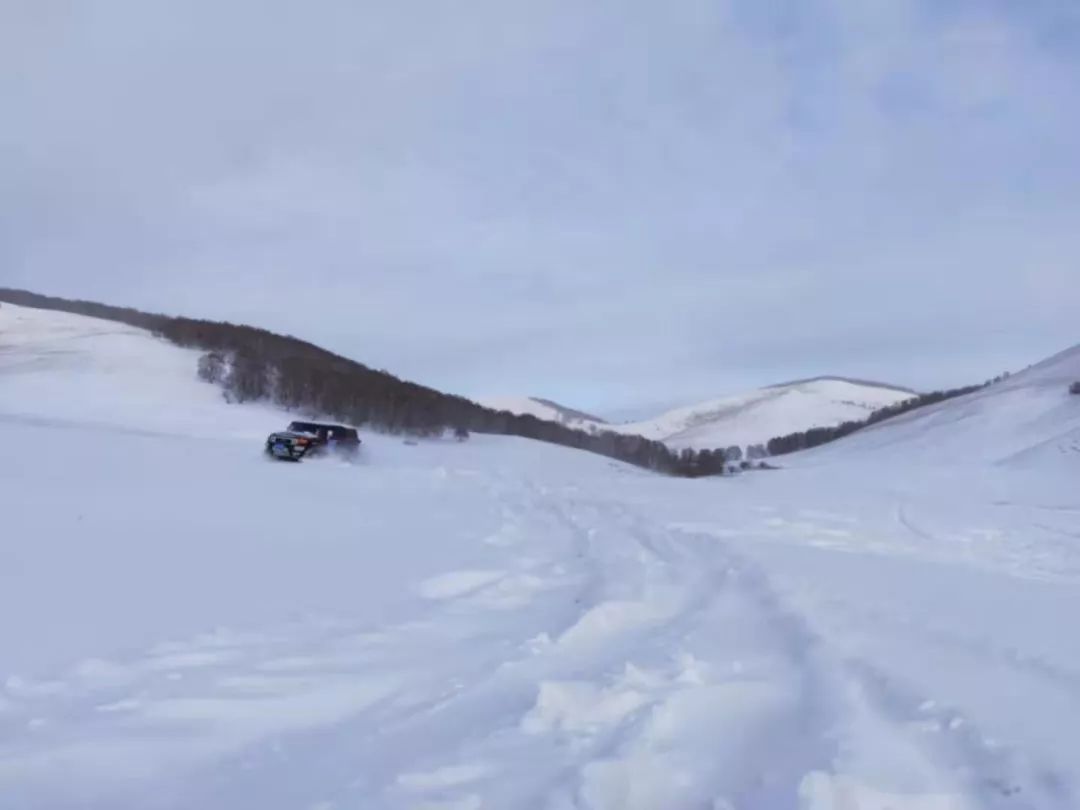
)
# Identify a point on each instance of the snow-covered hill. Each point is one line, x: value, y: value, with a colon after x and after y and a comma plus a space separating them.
x: 545, y: 409
x: 59, y: 366
x: 741, y: 420
x: 1026, y: 420
x: 507, y: 624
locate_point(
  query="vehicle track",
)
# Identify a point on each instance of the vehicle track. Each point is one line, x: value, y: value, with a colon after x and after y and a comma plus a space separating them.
x: 610, y: 663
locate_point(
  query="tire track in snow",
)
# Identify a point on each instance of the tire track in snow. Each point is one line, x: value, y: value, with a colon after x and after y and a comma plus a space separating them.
x: 619, y: 665
x: 991, y: 774
x: 944, y: 759
x: 227, y: 704
x: 663, y: 714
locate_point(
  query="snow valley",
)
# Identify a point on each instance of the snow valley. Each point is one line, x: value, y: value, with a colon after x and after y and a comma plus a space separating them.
x: 504, y: 623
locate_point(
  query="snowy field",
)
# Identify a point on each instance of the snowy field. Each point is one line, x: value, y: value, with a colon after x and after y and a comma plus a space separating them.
x: 886, y: 624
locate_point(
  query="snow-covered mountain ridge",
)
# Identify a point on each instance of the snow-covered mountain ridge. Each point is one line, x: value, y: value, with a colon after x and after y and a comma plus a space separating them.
x: 741, y: 420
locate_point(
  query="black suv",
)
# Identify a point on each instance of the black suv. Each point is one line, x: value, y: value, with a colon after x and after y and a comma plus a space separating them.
x: 300, y: 439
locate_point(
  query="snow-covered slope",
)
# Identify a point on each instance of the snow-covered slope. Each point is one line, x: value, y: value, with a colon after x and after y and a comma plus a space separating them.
x: 741, y: 420
x: 502, y: 623
x: 544, y: 409
x: 58, y: 366
x: 757, y: 416
x: 1027, y: 419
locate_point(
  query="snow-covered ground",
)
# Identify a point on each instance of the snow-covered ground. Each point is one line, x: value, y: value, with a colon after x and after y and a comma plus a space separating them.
x: 507, y: 624
x: 741, y: 420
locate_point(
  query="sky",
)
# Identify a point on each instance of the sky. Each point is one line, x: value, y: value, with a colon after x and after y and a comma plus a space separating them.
x: 617, y: 205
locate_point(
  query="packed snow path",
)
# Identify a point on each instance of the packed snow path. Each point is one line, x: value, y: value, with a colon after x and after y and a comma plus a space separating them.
x: 504, y: 624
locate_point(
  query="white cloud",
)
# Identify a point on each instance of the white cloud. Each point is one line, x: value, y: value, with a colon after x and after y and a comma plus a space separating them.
x: 561, y: 198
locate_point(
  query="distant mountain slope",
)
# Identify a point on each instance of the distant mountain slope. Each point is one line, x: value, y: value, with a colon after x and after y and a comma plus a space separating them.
x: 1027, y: 419
x: 757, y: 416
x: 742, y: 420
x: 853, y: 380
x: 543, y: 409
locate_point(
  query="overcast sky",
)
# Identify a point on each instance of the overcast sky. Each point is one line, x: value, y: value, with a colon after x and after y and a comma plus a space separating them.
x: 613, y: 204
